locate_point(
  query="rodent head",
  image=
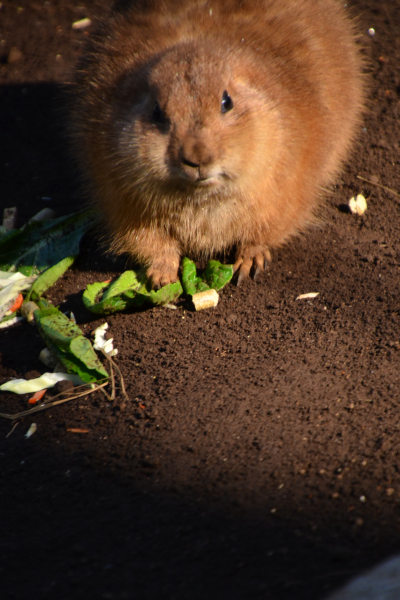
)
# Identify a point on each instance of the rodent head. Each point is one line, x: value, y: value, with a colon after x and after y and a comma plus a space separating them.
x: 189, y: 123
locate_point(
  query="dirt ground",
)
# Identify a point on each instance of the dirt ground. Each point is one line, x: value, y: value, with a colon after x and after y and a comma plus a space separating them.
x: 259, y: 453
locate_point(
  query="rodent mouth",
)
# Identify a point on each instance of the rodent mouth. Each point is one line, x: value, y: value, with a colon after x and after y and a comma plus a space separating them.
x: 200, y: 181
x: 214, y: 181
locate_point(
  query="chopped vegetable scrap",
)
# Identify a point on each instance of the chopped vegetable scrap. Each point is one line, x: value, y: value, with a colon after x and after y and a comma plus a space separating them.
x: 101, y: 343
x: 308, y: 296
x: 36, y: 397
x: 33, y: 257
x: 31, y: 430
x: 30, y: 386
x: 67, y: 342
x: 207, y: 299
x: 215, y: 276
x: 38, y: 245
x: 11, y: 285
x: 130, y: 290
x: 358, y: 205
x: 77, y: 430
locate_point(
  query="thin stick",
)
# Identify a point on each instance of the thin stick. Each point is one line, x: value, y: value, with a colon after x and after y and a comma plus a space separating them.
x: 384, y: 187
x: 112, y: 397
x: 121, y: 378
x: 10, y: 432
x: 116, y: 367
x: 46, y: 405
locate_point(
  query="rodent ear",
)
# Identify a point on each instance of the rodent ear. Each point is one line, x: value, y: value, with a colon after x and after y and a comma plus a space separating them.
x: 226, y: 102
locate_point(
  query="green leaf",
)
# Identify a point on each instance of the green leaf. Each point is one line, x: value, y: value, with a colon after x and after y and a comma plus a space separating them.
x: 42, y: 244
x: 190, y: 282
x: 215, y: 276
x: 49, y: 277
x: 128, y: 291
x: 66, y: 341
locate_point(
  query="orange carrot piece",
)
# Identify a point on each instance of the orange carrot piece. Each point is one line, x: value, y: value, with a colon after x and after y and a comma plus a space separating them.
x: 36, y: 397
x: 17, y: 304
x: 77, y: 430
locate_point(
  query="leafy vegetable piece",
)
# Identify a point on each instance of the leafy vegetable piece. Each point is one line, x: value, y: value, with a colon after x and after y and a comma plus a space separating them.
x: 215, y: 276
x: 6, y: 278
x: 128, y: 291
x: 66, y: 341
x: 9, y: 320
x: 28, y: 386
x: 40, y: 245
x: 49, y: 277
x: 9, y: 293
x: 190, y: 281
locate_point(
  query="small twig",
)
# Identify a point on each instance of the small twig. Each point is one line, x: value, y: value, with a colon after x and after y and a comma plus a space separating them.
x: 107, y: 396
x: 384, y: 187
x: 112, y: 376
x: 116, y: 367
x: 121, y: 378
x: 10, y: 432
x: 46, y: 405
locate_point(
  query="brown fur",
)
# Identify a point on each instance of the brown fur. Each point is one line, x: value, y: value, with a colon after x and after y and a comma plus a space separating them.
x: 196, y: 180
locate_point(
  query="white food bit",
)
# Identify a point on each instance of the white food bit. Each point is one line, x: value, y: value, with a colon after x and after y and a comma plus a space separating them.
x: 27, y: 310
x: 358, y: 205
x: 11, y: 322
x: 7, y: 277
x: 47, y: 380
x: 81, y: 24
x: 371, y: 32
x: 31, y: 430
x: 43, y: 215
x: 310, y: 295
x: 207, y: 299
x: 100, y: 342
x: 48, y: 358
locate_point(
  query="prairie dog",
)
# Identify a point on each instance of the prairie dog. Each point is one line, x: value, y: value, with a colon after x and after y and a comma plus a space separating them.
x: 204, y: 125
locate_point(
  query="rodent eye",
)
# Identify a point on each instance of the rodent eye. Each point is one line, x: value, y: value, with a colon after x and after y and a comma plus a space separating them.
x: 158, y: 115
x: 226, y: 102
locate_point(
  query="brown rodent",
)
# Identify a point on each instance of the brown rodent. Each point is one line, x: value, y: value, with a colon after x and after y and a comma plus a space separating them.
x: 204, y: 125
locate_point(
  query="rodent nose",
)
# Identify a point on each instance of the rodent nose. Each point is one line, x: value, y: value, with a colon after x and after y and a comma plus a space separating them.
x: 189, y: 163
x: 195, y: 154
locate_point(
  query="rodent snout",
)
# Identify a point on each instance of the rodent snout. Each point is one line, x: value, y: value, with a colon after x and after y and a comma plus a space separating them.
x: 197, y: 160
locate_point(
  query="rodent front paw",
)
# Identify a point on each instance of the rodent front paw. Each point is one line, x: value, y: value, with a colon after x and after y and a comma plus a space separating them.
x: 161, y: 277
x: 251, y: 260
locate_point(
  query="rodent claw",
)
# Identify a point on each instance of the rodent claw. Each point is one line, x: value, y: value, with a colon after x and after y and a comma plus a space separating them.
x: 249, y: 263
x: 244, y: 270
x: 159, y: 279
x: 257, y: 271
x: 258, y: 263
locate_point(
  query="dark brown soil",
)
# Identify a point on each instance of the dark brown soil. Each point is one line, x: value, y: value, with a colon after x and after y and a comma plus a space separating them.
x: 259, y: 453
